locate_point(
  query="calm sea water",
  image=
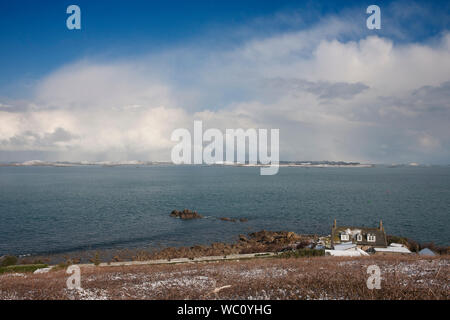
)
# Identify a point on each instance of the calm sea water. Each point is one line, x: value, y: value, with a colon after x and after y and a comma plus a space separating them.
x: 54, y: 210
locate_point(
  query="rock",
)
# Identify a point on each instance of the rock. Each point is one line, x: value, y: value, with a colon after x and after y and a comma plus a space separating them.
x: 271, y: 237
x: 186, y: 214
x: 8, y: 261
x: 42, y: 270
x: 228, y: 219
x: 243, y: 219
x: 243, y: 238
x: 199, y: 248
x: 218, y: 245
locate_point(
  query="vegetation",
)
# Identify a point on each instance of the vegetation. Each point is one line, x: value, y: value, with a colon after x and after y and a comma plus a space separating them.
x: 96, y: 259
x: 416, y: 247
x: 300, y: 253
x: 257, y: 242
x: 403, y: 277
x: 63, y: 265
x: 8, y: 261
x: 22, y: 268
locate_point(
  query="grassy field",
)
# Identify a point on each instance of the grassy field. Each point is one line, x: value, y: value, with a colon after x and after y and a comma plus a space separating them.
x: 22, y: 268
x: 402, y: 277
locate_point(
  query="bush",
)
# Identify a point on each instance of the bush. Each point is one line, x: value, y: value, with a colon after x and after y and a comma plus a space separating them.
x: 416, y: 247
x: 8, y: 261
x: 303, y: 244
x: 22, y: 268
x: 302, y: 253
x: 96, y: 260
x: 437, y: 249
x: 411, y: 244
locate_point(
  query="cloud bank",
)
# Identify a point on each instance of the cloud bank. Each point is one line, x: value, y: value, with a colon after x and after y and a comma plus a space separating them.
x: 366, y: 99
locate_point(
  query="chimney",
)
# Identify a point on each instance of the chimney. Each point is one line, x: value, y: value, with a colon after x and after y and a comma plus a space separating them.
x: 381, y: 225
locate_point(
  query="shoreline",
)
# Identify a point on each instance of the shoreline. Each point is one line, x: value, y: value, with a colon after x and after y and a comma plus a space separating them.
x: 255, y: 242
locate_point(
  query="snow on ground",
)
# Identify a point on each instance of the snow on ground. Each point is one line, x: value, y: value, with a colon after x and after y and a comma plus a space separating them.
x: 303, y: 278
x: 87, y: 294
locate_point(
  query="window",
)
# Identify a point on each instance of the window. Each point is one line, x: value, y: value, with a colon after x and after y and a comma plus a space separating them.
x: 359, y: 237
x: 371, y: 238
x: 344, y: 237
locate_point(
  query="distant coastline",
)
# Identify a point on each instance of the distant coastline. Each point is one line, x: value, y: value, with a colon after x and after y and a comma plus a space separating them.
x: 304, y: 164
x: 262, y: 241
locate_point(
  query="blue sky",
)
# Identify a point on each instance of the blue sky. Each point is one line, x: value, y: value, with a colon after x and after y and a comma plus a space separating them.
x: 354, y: 93
x: 35, y: 40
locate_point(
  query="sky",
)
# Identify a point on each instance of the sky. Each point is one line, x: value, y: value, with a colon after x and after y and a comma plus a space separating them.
x: 137, y: 70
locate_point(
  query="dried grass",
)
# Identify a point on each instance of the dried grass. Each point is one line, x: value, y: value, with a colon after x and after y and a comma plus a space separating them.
x: 403, y: 277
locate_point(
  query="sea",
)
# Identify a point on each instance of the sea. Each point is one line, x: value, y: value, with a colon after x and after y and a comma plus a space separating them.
x: 53, y: 210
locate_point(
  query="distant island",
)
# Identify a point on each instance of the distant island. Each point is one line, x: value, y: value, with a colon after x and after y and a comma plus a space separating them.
x: 321, y: 164
x: 305, y: 164
x: 39, y: 163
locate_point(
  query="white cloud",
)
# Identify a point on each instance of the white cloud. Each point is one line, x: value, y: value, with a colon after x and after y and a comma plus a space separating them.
x: 364, y: 100
x: 428, y: 142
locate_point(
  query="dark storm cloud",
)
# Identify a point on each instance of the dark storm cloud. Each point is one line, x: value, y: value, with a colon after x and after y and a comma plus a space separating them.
x: 321, y: 89
x: 34, y: 140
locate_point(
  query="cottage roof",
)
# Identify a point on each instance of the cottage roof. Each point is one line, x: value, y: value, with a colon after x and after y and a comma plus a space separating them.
x: 354, y: 252
x: 426, y: 252
x: 364, y: 232
x: 393, y: 249
x: 344, y: 246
